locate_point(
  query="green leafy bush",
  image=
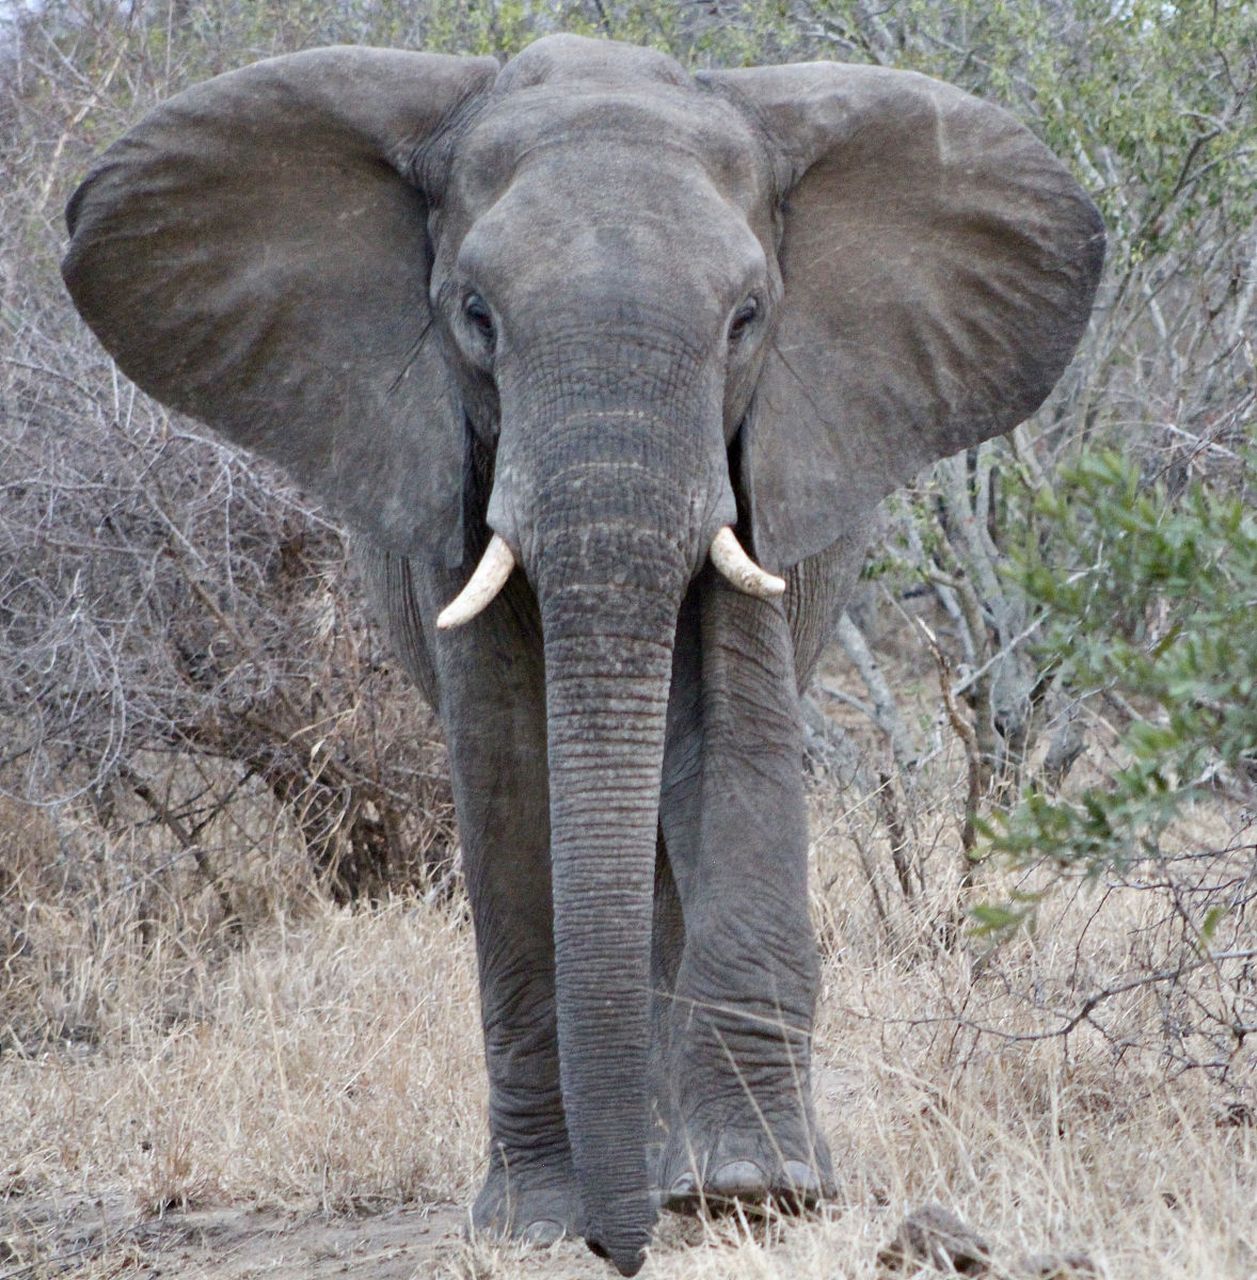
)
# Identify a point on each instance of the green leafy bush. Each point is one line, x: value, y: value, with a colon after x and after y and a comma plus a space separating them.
x: 1151, y: 605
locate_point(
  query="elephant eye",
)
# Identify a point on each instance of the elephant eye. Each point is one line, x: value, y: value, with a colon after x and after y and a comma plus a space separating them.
x: 476, y: 309
x: 742, y: 319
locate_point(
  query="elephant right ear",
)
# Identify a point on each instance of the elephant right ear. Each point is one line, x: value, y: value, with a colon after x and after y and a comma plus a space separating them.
x: 939, y: 266
x: 254, y: 253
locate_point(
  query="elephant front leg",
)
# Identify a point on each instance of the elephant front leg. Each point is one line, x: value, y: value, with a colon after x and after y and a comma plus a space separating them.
x: 495, y: 727
x: 529, y: 1191
x: 742, y: 1124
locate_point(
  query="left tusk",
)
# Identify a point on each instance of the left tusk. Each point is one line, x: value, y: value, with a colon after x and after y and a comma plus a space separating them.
x: 727, y: 555
x: 490, y: 577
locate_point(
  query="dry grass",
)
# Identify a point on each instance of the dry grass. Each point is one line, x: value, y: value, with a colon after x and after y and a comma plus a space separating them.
x: 328, y: 1066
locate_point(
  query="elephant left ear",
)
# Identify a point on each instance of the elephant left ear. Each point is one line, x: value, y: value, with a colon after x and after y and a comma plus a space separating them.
x: 255, y: 252
x: 939, y: 266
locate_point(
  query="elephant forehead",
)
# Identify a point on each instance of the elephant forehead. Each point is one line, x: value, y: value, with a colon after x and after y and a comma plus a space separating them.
x: 566, y: 58
x: 669, y: 230
x: 585, y: 134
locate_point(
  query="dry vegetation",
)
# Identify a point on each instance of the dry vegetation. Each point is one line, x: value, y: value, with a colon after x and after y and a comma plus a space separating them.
x: 324, y: 1072
x: 238, y: 1026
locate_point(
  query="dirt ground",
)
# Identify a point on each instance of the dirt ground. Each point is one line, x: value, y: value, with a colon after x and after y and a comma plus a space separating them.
x: 96, y: 1240
x: 243, y: 1243
x: 107, y: 1237
x: 99, y: 1240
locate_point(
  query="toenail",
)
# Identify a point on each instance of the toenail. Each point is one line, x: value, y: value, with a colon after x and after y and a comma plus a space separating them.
x: 738, y: 1178
x: 801, y: 1186
x: 544, y: 1231
x: 801, y: 1177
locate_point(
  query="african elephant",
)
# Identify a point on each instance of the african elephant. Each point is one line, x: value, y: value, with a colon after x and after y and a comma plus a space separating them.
x: 565, y: 342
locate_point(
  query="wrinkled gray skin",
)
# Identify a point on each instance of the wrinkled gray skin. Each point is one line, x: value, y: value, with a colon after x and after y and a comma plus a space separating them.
x: 453, y: 298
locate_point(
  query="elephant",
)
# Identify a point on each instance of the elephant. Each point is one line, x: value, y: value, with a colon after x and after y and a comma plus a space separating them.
x: 606, y: 365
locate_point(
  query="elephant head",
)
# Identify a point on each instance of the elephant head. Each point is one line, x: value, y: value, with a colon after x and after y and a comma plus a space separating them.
x: 663, y: 305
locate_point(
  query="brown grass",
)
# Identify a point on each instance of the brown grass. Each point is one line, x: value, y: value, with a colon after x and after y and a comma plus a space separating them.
x: 329, y: 1067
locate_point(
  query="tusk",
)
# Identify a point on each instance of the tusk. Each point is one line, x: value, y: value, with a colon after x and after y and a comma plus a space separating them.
x: 727, y: 555
x: 490, y: 577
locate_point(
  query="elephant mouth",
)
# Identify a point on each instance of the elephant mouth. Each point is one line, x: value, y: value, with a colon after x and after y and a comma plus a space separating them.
x: 726, y: 553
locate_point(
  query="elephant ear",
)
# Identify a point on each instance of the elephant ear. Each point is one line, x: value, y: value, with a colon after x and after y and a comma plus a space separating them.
x: 253, y: 253
x: 939, y: 267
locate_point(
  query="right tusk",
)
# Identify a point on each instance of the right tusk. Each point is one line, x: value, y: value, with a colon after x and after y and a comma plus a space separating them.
x: 490, y: 577
x: 727, y: 555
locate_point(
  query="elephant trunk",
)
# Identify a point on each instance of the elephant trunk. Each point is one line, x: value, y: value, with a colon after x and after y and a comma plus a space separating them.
x: 608, y: 665
x: 610, y: 485
x: 615, y: 532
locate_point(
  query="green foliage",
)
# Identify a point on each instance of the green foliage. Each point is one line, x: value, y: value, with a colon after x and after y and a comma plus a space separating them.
x: 1151, y: 606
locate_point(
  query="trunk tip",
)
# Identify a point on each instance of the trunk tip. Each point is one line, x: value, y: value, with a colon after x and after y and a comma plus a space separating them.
x: 624, y: 1255
x: 622, y: 1238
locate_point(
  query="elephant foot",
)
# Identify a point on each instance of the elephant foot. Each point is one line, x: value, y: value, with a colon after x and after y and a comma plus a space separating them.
x: 747, y: 1169
x: 534, y: 1203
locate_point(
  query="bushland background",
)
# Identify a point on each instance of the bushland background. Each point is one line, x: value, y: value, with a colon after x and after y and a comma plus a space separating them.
x: 237, y: 1002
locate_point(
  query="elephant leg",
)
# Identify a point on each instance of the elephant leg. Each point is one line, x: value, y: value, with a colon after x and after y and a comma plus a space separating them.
x: 741, y: 1016
x: 491, y: 680
x: 667, y: 946
x: 529, y: 1190
x: 678, y: 829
